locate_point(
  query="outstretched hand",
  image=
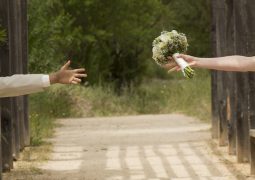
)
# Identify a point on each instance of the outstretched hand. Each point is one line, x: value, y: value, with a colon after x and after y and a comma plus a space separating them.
x: 67, y: 76
x: 173, y: 66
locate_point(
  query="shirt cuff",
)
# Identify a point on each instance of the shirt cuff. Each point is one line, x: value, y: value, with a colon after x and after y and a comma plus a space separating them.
x: 46, y: 81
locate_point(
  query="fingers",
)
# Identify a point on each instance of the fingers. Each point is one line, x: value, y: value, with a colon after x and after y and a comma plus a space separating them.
x: 192, y: 63
x: 170, y: 65
x: 66, y: 66
x: 75, y: 80
x: 81, y: 70
x: 173, y: 69
x: 80, y: 75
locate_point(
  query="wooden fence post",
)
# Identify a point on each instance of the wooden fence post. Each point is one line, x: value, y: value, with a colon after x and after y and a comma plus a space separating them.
x: 221, y: 86
x: 2, y: 54
x: 251, y: 77
x: 215, y: 110
x: 251, y: 52
x: 24, y: 50
x: 242, y: 126
x: 19, y: 70
x: 13, y: 57
x: 230, y: 76
x: 6, y: 126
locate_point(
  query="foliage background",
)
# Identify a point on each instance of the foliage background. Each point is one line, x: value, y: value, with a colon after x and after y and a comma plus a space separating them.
x: 113, y: 39
x: 2, y: 35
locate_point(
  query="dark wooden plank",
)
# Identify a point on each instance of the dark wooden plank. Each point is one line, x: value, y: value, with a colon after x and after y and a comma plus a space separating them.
x: 230, y: 77
x: 251, y: 78
x: 3, y: 52
x: 19, y: 70
x: 24, y: 39
x: 251, y: 52
x: 215, y: 110
x: 13, y: 19
x: 6, y: 125
x: 242, y: 126
x: 231, y: 113
x: 6, y: 119
x: 221, y: 86
x: 222, y: 103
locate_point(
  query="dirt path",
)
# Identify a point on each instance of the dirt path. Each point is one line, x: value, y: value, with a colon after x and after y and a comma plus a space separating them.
x: 149, y: 147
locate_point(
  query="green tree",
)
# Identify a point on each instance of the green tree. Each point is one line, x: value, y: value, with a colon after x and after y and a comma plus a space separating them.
x: 112, y: 38
x: 51, y: 35
x: 193, y: 18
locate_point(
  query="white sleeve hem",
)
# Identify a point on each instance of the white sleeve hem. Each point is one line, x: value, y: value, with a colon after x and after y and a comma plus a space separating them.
x: 46, y: 81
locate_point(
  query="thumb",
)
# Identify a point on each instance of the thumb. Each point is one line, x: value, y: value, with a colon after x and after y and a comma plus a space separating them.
x: 66, y: 66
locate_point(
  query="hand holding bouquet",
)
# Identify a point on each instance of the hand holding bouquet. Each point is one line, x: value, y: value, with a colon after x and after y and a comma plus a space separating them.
x: 170, y: 44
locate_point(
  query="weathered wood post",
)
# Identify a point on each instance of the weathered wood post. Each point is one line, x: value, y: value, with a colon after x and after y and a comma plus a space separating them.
x: 221, y: 77
x: 230, y: 76
x: 13, y: 59
x: 251, y: 76
x: 19, y: 70
x: 6, y: 123
x: 24, y: 50
x: 23, y: 61
x: 13, y: 44
x: 215, y: 110
x: 2, y: 53
x: 242, y: 125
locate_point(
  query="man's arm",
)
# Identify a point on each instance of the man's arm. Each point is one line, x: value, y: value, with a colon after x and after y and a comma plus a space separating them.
x: 228, y: 63
x: 18, y: 85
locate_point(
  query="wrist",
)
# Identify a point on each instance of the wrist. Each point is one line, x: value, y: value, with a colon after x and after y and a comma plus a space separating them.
x: 53, y: 78
x: 197, y: 62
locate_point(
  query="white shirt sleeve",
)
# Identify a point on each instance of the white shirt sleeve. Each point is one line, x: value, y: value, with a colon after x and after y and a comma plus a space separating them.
x: 18, y: 85
x: 46, y: 80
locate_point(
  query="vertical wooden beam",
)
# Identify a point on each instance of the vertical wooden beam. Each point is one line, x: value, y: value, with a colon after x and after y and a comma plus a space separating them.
x: 215, y: 110
x: 251, y: 77
x: 221, y: 86
x: 13, y: 59
x: 242, y: 126
x: 2, y: 55
x: 19, y: 70
x: 230, y: 77
x: 6, y: 123
x: 251, y: 52
x: 24, y: 40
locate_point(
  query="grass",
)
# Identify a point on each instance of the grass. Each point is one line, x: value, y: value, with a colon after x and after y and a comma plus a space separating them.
x: 153, y: 96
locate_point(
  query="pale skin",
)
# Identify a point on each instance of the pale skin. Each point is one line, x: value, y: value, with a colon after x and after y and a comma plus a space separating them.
x: 67, y: 76
x: 228, y: 63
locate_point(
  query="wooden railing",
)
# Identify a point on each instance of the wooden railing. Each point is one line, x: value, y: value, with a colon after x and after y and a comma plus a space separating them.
x: 233, y: 94
x: 13, y: 60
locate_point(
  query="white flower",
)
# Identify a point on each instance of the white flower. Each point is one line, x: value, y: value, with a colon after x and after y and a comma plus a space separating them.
x: 167, y: 44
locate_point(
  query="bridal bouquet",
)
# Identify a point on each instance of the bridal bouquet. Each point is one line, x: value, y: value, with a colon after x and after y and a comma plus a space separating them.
x: 170, y: 44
